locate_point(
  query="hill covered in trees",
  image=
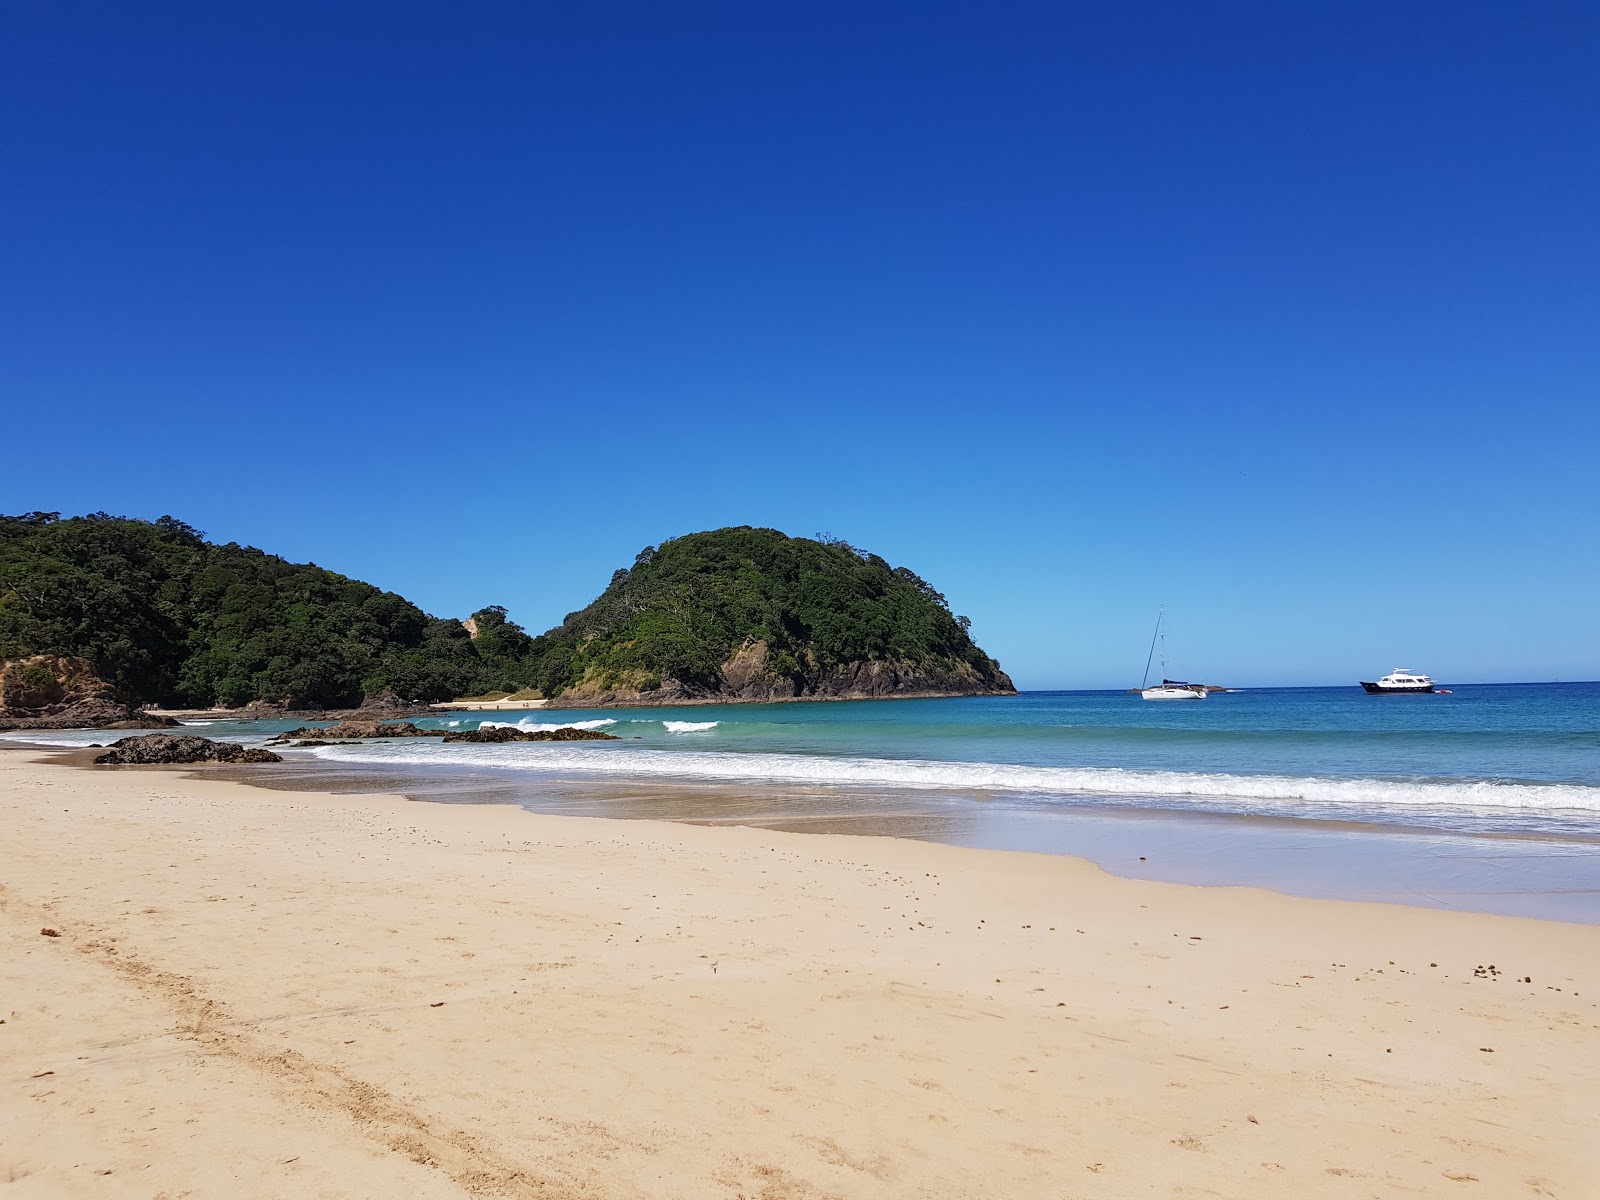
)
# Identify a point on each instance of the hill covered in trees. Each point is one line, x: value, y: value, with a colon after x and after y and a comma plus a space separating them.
x: 753, y: 614
x: 165, y: 616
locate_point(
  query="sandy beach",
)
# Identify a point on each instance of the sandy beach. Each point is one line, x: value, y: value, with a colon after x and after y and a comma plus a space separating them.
x: 212, y: 989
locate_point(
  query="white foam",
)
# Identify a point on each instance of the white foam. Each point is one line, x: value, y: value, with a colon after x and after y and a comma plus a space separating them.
x: 79, y: 738
x: 535, y: 727
x: 70, y: 737
x: 1279, y: 792
x: 689, y: 726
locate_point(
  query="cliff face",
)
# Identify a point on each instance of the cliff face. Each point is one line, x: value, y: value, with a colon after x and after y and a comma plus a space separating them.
x: 747, y: 678
x: 61, y: 691
x: 35, y: 683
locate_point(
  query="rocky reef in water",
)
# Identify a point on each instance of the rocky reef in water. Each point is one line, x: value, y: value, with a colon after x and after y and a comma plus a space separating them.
x: 358, y: 730
x: 509, y: 734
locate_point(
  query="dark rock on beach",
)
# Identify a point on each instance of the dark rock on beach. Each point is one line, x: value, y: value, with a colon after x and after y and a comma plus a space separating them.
x: 503, y: 734
x: 161, y: 748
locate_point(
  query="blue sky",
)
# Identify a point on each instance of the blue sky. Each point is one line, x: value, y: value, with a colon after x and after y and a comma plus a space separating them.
x: 1284, y: 316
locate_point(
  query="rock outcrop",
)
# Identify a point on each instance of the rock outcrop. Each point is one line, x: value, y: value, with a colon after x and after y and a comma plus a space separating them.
x: 748, y: 678
x: 163, y: 748
x: 57, y: 691
x: 138, y: 719
x: 37, y: 682
x: 357, y: 728
x: 509, y: 734
x: 387, y: 704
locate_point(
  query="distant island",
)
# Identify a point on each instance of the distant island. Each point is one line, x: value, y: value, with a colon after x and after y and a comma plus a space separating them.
x: 101, y: 608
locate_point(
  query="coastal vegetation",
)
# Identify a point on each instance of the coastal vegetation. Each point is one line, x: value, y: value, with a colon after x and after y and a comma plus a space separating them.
x: 756, y: 614
x: 166, y: 616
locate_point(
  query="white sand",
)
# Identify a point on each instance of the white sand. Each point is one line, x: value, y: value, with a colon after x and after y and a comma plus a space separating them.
x: 271, y: 994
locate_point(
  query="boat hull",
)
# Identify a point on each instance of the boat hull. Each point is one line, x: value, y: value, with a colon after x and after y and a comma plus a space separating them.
x: 1377, y: 689
x: 1167, y: 693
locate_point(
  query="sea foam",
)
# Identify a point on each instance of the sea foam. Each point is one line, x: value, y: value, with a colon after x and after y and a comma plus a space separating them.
x: 689, y: 726
x: 1307, y: 795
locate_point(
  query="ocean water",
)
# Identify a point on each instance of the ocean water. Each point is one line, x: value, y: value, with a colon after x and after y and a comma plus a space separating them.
x: 1521, y: 758
x: 1485, y: 799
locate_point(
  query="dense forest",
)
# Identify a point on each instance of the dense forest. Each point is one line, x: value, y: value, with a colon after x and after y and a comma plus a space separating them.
x: 166, y: 616
x: 816, y: 608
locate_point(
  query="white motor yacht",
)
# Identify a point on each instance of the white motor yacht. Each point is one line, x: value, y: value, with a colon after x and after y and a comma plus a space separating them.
x: 1399, y: 681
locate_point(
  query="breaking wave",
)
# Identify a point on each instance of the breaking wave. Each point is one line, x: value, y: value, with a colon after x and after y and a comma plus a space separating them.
x: 1247, y: 793
x: 689, y: 726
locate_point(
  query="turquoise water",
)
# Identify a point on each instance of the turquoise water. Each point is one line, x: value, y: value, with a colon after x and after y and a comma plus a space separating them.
x: 1487, y: 758
x: 1486, y: 799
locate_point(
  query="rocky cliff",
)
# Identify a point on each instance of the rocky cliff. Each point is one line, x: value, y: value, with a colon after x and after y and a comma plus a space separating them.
x: 745, y: 678
x: 59, y: 691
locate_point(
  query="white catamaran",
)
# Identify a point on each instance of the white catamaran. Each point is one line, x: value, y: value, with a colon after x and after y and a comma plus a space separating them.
x: 1170, y: 689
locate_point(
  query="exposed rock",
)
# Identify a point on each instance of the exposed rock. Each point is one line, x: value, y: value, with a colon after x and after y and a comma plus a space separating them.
x: 89, y: 714
x: 745, y: 666
x: 153, y: 748
x: 58, y: 691
x: 144, y: 720
x: 37, y: 682
x: 509, y: 734
x: 358, y: 728
x: 267, y: 710
x: 747, y: 678
x: 386, y: 703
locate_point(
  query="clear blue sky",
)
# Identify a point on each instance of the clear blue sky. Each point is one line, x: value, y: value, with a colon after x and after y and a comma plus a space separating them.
x: 1284, y: 315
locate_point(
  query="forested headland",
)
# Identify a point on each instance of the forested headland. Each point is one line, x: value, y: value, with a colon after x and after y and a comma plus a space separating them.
x: 167, y: 617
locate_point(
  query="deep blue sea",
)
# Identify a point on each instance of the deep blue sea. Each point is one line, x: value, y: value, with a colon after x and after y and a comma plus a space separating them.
x: 1488, y: 758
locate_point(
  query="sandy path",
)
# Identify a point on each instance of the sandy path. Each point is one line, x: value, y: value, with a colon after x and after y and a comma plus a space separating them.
x: 267, y: 994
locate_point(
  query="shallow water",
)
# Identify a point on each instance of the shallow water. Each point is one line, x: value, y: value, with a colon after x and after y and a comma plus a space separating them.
x: 1488, y: 798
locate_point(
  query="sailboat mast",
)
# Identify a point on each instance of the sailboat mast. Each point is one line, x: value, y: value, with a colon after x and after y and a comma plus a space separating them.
x: 1157, y: 634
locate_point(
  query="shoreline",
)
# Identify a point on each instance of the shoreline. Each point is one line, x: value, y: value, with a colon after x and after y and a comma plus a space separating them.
x: 1543, y: 875
x: 566, y: 702
x: 1547, y: 873
x: 260, y: 993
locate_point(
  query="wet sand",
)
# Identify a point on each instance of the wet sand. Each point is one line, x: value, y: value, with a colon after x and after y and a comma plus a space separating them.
x: 1513, y: 875
x: 261, y: 993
